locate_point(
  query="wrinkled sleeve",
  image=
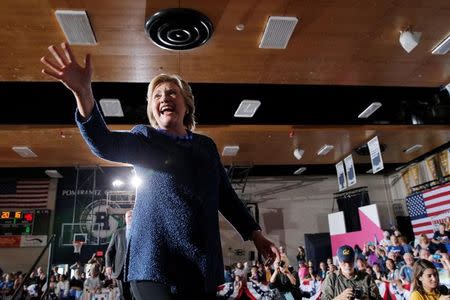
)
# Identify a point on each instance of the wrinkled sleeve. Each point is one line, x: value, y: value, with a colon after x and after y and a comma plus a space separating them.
x: 118, y: 146
x: 231, y: 206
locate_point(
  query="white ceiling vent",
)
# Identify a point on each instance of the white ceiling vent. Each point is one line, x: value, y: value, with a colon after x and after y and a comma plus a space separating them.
x: 230, y: 150
x: 53, y: 174
x: 24, y: 151
x: 278, y: 32
x: 111, y: 107
x: 443, y: 47
x: 247, y: 108
x: 76, y: 27
x: 299, y: 170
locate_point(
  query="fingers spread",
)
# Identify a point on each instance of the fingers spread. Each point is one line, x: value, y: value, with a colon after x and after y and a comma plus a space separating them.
x: 61, y: 59
x: 68, y: 52
x: 52, y: 73
x: 49, y: 64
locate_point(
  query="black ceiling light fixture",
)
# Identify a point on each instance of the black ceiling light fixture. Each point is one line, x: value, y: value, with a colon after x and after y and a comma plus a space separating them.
x: 179, y: 28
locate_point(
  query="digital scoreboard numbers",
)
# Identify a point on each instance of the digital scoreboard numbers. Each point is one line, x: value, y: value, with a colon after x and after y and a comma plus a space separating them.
x: 16, y: 222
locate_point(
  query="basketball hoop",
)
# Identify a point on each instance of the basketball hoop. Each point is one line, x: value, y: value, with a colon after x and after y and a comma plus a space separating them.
x: 77, y: 245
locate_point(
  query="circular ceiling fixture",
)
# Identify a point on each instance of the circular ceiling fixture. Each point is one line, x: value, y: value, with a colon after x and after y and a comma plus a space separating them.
x: 179, y: 28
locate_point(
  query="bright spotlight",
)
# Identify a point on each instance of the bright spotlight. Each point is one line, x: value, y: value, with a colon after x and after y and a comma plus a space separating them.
x: 117, y: 183
x: 136, y: 181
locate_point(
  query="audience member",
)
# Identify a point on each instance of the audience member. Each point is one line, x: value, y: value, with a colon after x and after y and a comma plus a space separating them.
x: 348, y: 283
x: 406, y: 271
x: 426, y: 282
x: 301, y: 255
x: 283, y: 280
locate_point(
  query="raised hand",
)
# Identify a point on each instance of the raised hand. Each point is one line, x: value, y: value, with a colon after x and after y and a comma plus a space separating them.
x: 65, y: 68
x: 267, y: 248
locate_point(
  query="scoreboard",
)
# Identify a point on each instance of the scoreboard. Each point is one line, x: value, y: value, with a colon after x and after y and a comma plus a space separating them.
x: 24, y: 222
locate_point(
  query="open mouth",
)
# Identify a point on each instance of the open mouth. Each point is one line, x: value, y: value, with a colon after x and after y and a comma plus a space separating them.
x: 166, y: 109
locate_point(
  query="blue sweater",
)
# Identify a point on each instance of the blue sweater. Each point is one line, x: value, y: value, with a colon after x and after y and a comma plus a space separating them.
x: 175, y: 236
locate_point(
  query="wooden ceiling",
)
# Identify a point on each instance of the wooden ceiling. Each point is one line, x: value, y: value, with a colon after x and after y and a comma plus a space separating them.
x: 259, y: 144
x: 334, y: 43
x: 346, y: 42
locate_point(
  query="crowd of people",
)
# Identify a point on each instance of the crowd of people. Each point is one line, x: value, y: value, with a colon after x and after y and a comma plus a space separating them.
x: 91, y: 277
x: 391, y: 260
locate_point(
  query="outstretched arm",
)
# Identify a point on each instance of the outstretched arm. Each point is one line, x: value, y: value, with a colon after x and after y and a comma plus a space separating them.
x: 63, y: 66
x: 111, y: 145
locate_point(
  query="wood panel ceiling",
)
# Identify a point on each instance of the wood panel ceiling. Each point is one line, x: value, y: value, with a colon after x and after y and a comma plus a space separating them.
x: 335, y: 43
x: 259, y: 144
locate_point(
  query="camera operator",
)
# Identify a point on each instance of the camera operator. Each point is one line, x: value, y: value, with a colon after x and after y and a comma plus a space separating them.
x: 283, y: 280
x: 348, y: 283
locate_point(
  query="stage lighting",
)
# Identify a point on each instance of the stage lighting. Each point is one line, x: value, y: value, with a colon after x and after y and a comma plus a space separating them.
x: 136, y: 181
x: 117, y: 183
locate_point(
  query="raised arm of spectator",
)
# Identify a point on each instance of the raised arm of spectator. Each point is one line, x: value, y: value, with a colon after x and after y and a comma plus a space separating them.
x: 289, y: 275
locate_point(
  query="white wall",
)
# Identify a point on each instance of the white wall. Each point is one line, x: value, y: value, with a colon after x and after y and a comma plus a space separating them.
x: 289, y: 207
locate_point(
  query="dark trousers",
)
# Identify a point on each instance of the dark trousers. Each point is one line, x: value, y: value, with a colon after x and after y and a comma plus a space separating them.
x: 148, y: 290
x: 125, y: 290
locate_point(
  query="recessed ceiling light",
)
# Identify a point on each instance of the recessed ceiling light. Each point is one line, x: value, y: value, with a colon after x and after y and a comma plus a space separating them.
x: 443, y: 47
x: 299, y: 170
x: 369, y: 110
x: 111, y: 107
x: 325, y: 149
x: 240, y: 27
x: 247, y: 108
x: 24, y: 151
x: 53, y: 174
x: 413, y: 148
x: 230, y: 150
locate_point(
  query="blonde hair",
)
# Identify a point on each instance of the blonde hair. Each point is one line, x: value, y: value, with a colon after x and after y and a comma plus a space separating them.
x: 186, y: 92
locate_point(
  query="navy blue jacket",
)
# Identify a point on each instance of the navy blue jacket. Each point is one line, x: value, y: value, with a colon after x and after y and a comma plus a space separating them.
x: 175, y: 236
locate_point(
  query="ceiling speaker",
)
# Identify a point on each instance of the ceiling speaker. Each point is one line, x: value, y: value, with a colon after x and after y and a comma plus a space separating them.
x: 179, y: 28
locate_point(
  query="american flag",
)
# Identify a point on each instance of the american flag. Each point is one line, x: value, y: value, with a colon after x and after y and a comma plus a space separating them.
x: 427, y: 208
x: 29, y: 193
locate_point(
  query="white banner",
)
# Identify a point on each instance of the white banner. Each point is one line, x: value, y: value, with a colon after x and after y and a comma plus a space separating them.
x: 375, y: 155
x: 350, y: 170
x: 342, y: 181
x: 33, y: 240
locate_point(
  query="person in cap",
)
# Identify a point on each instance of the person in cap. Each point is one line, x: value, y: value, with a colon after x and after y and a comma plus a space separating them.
x: 348, y: 283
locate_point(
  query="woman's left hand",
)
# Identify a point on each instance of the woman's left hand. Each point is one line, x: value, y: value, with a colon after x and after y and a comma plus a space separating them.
x: 266, y: 247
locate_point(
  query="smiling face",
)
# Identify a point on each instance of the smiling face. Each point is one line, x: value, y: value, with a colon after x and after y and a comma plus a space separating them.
x: 168, y: 107
x: 429, y: 279
x: 390, y: 265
